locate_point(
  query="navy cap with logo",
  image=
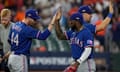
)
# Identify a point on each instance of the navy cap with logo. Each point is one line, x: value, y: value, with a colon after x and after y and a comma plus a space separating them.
x: 77, y: 16
x: 85, y: 9
x: 32, y: 13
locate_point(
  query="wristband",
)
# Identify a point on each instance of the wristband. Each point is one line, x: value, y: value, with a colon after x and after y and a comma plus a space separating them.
x: 79, y: 61
x: 110, y: 15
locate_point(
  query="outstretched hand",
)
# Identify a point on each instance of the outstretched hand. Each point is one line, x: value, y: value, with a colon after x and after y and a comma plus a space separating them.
x: 111, y: 10
x: 53, y: 20
x: 58, y: 14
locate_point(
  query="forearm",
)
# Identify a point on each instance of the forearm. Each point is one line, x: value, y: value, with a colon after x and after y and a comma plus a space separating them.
x: 59, y: 31
x: 6, y: 55
x: 52, y: 22
x: 44, y: 35
x: 104, y: 23
x: 107, y: 19
x: 84, y: 55
x: 50, y: 27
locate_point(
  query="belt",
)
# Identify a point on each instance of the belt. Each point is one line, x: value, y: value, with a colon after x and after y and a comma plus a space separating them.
x: 16, y: 53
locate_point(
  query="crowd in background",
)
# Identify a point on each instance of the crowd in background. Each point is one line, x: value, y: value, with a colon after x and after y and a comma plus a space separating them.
x: 106, y: 40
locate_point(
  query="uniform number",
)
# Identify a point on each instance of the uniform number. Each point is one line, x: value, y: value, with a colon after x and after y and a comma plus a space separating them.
x: 14, y: 38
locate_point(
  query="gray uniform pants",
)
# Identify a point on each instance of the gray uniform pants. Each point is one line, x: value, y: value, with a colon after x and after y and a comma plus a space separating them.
x: 17, y: 63
x: 87, y: 66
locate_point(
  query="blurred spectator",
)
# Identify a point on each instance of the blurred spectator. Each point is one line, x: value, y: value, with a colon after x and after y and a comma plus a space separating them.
x: 100, y: 35
x: 76, y: 3
x: 98, y: 47
x: 96, y: 16
x: 73, y: 10
x: 42, y: 49
x: 20, y: 3
x: 66, y: 6
x: 20, y: 14
x: 4, y: 32
x: 11, y: 4
x: 89, y: 2
x: 99, y: 6
x: 29, y: 3
x: 1, y: 5
x: 42, y: 2
x: 116, y: 32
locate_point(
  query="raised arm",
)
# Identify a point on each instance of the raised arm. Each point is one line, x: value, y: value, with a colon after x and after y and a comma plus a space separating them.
x: 46, y: 33
x: 37, y: 34
x: 107, y: 20
x: 58, y: 29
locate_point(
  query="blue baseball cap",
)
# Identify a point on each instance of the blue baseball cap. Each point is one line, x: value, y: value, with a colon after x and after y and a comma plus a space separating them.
x: 85, y: 9
x: 77, y: 16
x: 32, y: 13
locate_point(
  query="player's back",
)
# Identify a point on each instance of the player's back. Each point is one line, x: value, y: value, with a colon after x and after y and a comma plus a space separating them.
x: 91, y: 27
x: 20, y: 44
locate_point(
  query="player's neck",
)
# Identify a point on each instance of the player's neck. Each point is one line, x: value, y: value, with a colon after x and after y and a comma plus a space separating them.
x: 25, y: 21
x: 79, y: 28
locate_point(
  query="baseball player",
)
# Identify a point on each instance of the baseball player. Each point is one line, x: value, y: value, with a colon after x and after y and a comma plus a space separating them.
x: 20, y: 39
x: 81, y: 41
x: 87, y: 14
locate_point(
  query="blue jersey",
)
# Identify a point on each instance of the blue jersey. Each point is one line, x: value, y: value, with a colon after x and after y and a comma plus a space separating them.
x: 21, y: 35
x: 79, y: 41
x: 91, y: 27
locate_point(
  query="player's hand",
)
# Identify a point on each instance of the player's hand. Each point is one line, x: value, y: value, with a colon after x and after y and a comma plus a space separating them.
x: 111, y: 10
x: 53, y: 19
x: 56, y: 17
x: 58, y: 14
x: 70, y: 69
x: 75, y: 64
x: 50, y: 27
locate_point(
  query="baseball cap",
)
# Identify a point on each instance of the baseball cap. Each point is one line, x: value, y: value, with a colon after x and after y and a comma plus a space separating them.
x: 32, y: 13
x: 85, y: 9
x: 77, y: 16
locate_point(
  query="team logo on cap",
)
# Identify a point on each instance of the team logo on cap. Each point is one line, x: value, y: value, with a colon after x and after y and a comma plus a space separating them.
x: 83, y: 10
x: 77, y: 18
x: 29, y: 14
x: 36, y: 13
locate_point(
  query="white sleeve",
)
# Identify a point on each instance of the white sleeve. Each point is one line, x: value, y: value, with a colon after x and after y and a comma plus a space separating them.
x: 84, y: 55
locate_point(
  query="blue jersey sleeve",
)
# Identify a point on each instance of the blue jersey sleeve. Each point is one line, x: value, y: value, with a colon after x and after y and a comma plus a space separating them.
x: 88, y: 39
x: 91, y: 27
x: 36, y: 34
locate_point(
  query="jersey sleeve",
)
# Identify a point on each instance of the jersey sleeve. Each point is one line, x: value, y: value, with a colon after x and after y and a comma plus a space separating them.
x: 88, y: 39
x: 68, y: 34
x: 36, y: 34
